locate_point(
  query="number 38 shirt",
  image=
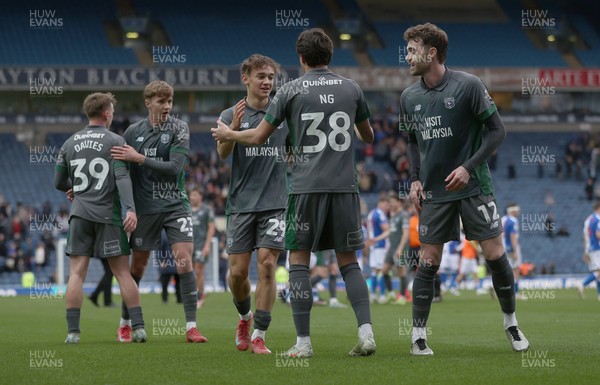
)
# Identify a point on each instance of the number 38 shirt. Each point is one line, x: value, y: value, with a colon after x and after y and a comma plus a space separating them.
x: 85, y: 158
x: 321, y: 109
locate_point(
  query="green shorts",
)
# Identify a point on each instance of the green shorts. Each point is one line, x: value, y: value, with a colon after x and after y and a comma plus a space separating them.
x: 440, y: 222
x: 177, y: 225
x: 324, y: 221
x: 249, y: 231
x: 102, y: 240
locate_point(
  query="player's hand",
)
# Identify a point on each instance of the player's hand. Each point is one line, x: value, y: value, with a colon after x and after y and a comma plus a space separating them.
x: 130, y: 222
x: 221, y: 132
x: 416, y: 195
x: 238, y: 114
x: 458, y: 179
x: 586, y: 258
x: 205, y: 251
x: 369, y: 243
x: 126, y: 153
x: 70, y: 195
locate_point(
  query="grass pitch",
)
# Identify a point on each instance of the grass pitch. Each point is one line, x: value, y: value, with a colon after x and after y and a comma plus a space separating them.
x: 465, y: 333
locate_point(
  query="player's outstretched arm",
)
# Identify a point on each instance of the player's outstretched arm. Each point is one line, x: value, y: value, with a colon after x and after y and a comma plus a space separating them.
x: 251, y: 137
x: 364, y: 131
x: 171, y: 167
x: 225, y: 148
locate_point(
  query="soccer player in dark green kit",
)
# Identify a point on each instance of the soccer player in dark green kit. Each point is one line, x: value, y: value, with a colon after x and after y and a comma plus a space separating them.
x: 157, y: 149
x: 96, y: 183
x: 203, y: 224
x: 395, y: 256
x: 255, y: 205
x: 325, y: 113
x: 453, y: 127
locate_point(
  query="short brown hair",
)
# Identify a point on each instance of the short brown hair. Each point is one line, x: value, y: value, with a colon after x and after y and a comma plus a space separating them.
x: 257, y: 61
x: 596, y: 205
x: 432, y: 36
x: 95, y: 104
x: 158, y: 88
x: 315, y: 47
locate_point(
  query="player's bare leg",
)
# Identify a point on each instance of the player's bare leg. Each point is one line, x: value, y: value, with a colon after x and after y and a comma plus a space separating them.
x: 77, y: 273
x: 199, y: 270
x: 265, y: 298
x: 423, y: 289
x: 301, y: 300
x: 130, y: 293
x: 74, y: 296
x: 358, y: 295
x: 182, y: 252
x: 239, y: 284
x: 503, y: 281
x: 139, y: 260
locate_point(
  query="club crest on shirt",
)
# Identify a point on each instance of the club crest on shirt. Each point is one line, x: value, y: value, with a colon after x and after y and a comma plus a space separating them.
x: 449, y: 102
x: 417, y: 107
x: 487, y: 97
x: 423, y: 230
x: 164, y: 138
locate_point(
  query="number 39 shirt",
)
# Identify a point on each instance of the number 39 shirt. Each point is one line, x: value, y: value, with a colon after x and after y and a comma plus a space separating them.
x: 86, y: 159
x: 321, y: 109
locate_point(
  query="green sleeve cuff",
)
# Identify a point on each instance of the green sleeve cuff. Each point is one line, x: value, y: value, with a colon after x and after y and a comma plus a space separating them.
x: 180, y: 150
x: 363, y: 117
x: 487, y: 113
x: 120, y: 163
x: 272, y: 120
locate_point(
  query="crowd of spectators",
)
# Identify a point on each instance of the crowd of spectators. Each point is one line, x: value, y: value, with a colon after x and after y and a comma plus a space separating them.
x: 28, y: 235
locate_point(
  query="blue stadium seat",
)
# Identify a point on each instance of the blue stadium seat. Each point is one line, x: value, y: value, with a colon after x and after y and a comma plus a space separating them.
x: 81, y: 40
x: 218, y: 41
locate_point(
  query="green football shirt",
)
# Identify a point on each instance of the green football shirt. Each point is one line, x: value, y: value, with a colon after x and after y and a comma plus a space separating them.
x: 321, y: 109
x: 258, y: 180
x: 85, y: 158
x: 447, y: 122
x: 200, y: 220
x: 155, y: 192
